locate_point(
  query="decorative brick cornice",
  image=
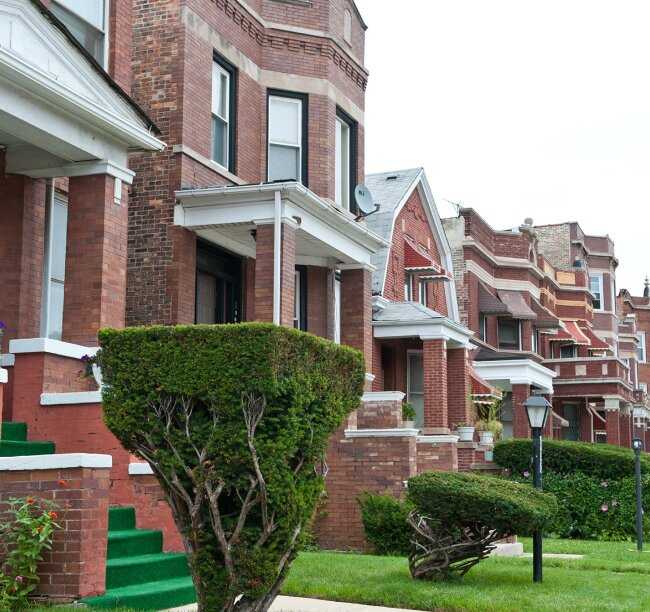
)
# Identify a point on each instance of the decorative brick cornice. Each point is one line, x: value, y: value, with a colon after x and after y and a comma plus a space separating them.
x: 296, y: 45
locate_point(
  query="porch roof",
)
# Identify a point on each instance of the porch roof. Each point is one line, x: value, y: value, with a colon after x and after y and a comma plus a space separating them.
x: 326, y: 235
x: 412, y: 319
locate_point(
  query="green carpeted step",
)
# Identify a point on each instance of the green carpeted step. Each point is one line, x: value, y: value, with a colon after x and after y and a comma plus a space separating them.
x: 148, y: 596
x: 133, y: 542
x: 121, y: 518
x: 16, y: 432
x: 127, y: 571
x: 11, y: 448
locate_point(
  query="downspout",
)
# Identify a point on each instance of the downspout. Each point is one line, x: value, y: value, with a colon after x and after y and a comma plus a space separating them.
x: 277, y: 256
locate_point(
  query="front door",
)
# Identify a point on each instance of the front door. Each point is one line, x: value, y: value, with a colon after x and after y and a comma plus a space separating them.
x: 218, y: 285
x: 572, y: 432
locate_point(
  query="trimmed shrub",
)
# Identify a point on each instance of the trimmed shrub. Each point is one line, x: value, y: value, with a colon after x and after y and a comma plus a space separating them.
x: 385, y: 524
x: 565, y: 457
x: 593, y: 508
x: 235, y: 421
x: 458, y: 518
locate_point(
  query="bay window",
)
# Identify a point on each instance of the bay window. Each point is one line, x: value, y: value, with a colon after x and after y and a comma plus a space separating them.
x: 87, y: 22
x: 596, y: 288
x: 223, y: 113
x: 287, y: 137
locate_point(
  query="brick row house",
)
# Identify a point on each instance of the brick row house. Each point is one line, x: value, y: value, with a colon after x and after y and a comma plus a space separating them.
x: 541, y: 301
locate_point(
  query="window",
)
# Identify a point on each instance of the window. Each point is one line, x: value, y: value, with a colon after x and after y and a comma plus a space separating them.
x: 287, y: 135
x: 568, y: 351
x: 346, y: 160
x: 54, y: 270
x: 218, y: 285
x: 640, y: 349
x: 347, y: 26
x: 224, y: 99
x: 510, y: 334
x: 596, y: 287
x: 482, y: 327
x: 423, y: 293
x: 300, y: 298
x: 415, y: 385
x: 86, y: 21
x: 535, y: 341
x: 408, y: 296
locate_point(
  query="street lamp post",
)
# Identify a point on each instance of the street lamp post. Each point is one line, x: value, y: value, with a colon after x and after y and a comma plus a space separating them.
x: 637, y: 445
x: 537, y: 409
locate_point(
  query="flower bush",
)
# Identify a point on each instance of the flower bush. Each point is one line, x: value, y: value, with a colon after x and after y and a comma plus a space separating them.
x: 26, y: 532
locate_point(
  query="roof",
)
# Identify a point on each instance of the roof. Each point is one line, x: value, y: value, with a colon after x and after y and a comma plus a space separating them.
x: 516, y: 304
x: 57, y: 23
x: 388, y: 190
x: 488, y: 303
x: 570, y: 333
x: 545, y: 318
x: 405, y: 311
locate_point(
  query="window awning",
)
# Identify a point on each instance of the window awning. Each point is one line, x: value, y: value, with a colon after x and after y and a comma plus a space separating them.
x: 416, y: 259
x: 545, y: 318
x: 516, y: 304
x: 596, y: 343
x: 489, y: 304
x: 571, y: 333
x: 483, y: 391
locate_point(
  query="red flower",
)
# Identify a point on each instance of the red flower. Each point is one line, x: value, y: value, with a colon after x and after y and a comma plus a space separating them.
x: 53, y: 515
x: 30, y: 500
x: 63, y: 483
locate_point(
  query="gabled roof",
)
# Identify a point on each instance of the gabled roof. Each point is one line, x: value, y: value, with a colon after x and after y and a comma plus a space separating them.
x: 391, y: 190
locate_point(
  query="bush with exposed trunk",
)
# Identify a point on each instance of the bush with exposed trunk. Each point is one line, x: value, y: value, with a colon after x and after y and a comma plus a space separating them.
x: 234, y: 420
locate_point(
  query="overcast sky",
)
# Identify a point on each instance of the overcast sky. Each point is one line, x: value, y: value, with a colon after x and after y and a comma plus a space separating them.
x: 519, y: 109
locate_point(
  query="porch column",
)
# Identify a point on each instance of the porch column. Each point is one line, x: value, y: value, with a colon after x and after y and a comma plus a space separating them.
x: 265, y: 273
x: 434, y: 363
x: 520, y: 428
x: 22, y: 233
x: 95, y: 265
x: 356, y: 311
x: 626, y: 428
x: 458, y: 386
x: 613, y: 425
x: 586, y: 424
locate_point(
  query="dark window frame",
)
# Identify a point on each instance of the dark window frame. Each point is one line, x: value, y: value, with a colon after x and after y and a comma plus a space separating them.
x: 506, y: 346
x: 304, y: 142
x: 574, y: 351
x: 354, y: 153
x: 233, y: 72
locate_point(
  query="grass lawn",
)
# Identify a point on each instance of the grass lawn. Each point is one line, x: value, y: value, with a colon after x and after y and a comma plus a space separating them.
x: 612, y: 576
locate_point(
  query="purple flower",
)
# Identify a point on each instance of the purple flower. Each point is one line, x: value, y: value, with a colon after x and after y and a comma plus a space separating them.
x: 526, y: 474
x: 604, y: 484
x: 20, y: 579
x: 604, y: 508
x: 86, y: 358
x: 3, y: 325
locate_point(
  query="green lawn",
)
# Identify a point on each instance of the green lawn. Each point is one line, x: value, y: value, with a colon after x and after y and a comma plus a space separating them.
x: 612, y: 576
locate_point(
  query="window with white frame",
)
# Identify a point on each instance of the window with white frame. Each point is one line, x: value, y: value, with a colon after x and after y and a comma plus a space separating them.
x: 423, y: 293
x: 415, y: 385
x: 596, y: 288
x: 347, y: 26
x: 640, y: 349
x: 87, y: 21
x: 56, y: 232
x: 408, y: 290
x: 286, y: 152
x: 223, y: 113
x: 342, y: 175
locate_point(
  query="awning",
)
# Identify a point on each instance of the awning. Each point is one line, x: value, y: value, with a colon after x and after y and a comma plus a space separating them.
x: 545, y: 318
x: 596, y: 343
x: 516, y: 304
x: 483, y: 391
x: 488, y: 303
x: 416, y: 258
x: 571, y: 333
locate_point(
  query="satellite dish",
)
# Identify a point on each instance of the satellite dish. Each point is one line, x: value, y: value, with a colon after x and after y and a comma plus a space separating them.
x: 365, y: 203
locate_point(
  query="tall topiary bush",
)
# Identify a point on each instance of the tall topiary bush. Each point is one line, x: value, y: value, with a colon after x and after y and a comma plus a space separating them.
x: 234, y: 420
x: 458, y: 518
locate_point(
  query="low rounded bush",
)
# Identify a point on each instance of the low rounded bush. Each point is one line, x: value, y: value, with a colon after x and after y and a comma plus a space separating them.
x: 234, y: 421
x: 566, y: 457
x: 385, y: 523
x: 458, y: 517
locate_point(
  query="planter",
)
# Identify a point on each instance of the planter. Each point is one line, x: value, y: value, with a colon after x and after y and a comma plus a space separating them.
x: 487, y: 438
x: 465, y: 434
x: 408, y: 424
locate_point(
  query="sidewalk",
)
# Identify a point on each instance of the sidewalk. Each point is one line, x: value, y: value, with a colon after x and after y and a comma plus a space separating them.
x: 302, y: 604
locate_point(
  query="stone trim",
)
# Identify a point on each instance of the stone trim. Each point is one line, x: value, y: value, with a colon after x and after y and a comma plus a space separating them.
x: 4, y: 376
x: 55, y: 462
x: 438, y: 439
x: 140, y: 469
x: 383, y: 396
x: 382, y: 433
x: 7, y: 360
x: 54, y: 347
x: 75, y: 397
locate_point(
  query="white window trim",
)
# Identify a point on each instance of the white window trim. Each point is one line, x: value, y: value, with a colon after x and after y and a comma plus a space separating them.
x: 599, y: 276
x: 642, y: 345
x: 222, y: 71
x: 422, y: 289
x: 342, y: 168
x: 105, y: 30
x: 270, y: 142
x: 408, y: 288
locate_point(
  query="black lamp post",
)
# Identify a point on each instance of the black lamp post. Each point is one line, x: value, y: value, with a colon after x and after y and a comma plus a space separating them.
x: 637, y: 445
x: 537, y: 409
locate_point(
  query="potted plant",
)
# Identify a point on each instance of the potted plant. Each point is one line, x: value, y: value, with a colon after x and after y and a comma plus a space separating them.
x: 465, y: 431
x: 489, y: 426
x: 408, y: 415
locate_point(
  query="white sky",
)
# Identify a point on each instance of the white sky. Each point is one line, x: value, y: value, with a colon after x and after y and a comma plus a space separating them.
x: 519, y: 109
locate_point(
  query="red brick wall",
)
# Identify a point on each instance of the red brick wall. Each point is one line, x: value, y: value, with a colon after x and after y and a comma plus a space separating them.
x: 458, y: 386
x: 356, y: 312
x: 95, y: 280
x: 437, y: 457
x: 119, y: 48
x: 76, y: 565
x: 317, y: 305
x: 613, y: 427
x: 434, y: 356
x: 520, y: 426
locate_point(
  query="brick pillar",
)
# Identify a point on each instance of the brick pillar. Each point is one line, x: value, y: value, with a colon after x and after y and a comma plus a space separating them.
x: 613, y: 427
x: 95, y: 266
x: 434, y: 361
x: 520, y: 394
x: 264, y: 273
x: 76, y: 565
x: 586, y: 425
x: 22, y: 234
x: 317, y: 306
x: 181, y: 276
x: 356, y: 311
x: 458, y: 386
x: 626, y: 429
